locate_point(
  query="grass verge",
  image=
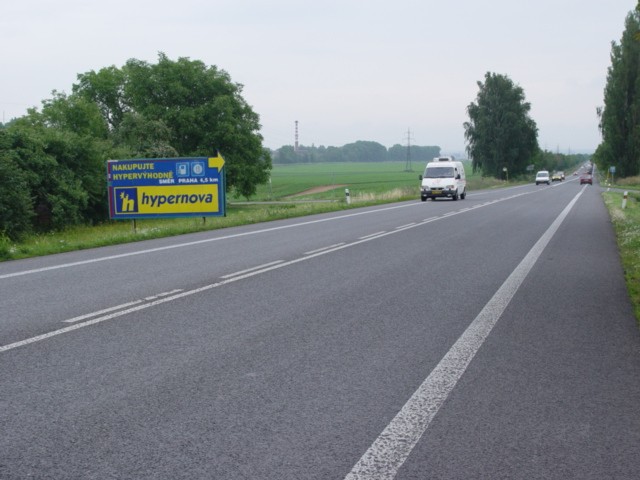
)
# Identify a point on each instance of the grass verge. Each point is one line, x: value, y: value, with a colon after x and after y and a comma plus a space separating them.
x: 117, y: 232
x: 626, y: 223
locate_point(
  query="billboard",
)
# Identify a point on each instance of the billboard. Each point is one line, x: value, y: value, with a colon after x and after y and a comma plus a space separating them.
x: 166, y: 187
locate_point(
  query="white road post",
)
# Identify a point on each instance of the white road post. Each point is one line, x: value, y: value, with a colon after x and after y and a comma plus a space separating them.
x: 624, y: 200
x: 346, y: 192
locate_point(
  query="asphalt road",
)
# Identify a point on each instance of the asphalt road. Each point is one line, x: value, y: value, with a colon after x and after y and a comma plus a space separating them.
x: 490, y: 337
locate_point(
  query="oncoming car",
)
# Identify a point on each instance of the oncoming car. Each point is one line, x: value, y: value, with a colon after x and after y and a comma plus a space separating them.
x: 557, y: 177
x: 543, y: 177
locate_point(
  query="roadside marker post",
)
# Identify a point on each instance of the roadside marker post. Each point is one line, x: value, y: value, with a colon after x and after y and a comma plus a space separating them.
x: 346, y: 192
x: 624, y: 200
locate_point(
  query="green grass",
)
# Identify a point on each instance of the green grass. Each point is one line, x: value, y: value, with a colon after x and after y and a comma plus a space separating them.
x: 368, y: 183
x: 626, y: 223
x: 359, y: 178
x: 117, y: 232
x: 632, y: 183
x: 364, y: 181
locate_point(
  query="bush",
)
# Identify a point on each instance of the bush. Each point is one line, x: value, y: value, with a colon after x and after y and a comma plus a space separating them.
x: 16, y: 211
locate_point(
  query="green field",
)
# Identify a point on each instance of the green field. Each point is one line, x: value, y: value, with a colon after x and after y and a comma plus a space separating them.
x: 365, y: 181
x: 360, y: 178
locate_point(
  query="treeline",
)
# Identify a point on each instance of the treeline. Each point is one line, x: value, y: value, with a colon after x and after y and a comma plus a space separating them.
x: 619, y: 118
x: 360, y: 151
x: 559, y: 162
x: 53, y: 161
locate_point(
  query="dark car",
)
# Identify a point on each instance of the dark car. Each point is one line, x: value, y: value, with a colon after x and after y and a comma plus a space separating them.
x: 586, y: 178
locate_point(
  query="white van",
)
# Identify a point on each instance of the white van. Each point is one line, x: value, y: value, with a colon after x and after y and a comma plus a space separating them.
x: 444, y: 177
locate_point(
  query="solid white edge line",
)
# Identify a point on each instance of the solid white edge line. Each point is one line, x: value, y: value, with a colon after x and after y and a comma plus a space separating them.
x: 391, y: 449
x: 198, y: 242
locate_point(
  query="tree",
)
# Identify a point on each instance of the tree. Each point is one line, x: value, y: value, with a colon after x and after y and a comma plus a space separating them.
x: 364, y: 151
x: 500, y: 133
x: 554, y: 162
x: 398, y: 153
x: 620, y: 116
x: 57, y: 195
x: 145, y: 138
x: 182, y: 106
x: 70, y: 143
x: 106, y: 89
x: 16, y: 209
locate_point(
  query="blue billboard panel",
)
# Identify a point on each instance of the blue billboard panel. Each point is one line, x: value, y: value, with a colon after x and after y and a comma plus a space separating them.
x: 167, y: 187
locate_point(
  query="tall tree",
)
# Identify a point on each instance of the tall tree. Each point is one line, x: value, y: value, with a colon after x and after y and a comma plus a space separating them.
x: 57, y: 197
x: 500, y: 133
x: 16, y: 205
x: 620, y: 116
x: 71, y: 132
x: 183, y: 106
x: 106, y: 89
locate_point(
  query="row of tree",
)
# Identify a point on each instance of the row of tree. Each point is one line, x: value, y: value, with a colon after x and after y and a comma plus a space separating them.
x: 558, y: 162
x: 53, y: 161
x: 620, y: 115
x: 361, y: 151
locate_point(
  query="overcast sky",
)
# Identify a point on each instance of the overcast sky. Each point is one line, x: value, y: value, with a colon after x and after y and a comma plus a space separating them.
x: 347, y: 70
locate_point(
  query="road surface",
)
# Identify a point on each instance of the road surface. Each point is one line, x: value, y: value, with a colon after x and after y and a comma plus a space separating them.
x: 490, y: 337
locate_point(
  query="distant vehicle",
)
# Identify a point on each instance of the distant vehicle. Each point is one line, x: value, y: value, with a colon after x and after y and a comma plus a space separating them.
x: 557, y: 177
x: 543, y: 177
x: 443, y: 177
x: 586, y: 178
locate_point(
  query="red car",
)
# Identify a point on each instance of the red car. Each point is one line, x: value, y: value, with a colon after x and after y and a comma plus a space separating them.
x: 586, y: 178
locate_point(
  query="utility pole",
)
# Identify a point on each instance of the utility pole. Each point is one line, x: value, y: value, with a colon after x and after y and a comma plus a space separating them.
x: 407, y: 165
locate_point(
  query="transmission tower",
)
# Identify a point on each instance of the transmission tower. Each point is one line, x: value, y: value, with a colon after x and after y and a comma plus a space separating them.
x: 295, y: 148
x: 407, y: 165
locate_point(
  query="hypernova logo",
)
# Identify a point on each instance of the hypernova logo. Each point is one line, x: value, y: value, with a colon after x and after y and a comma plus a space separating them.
x: 127, y: 200
x: 185, y: 198
x: 177, y: 199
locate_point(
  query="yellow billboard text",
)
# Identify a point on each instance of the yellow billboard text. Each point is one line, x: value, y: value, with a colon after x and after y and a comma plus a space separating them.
x: 178, y: 199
